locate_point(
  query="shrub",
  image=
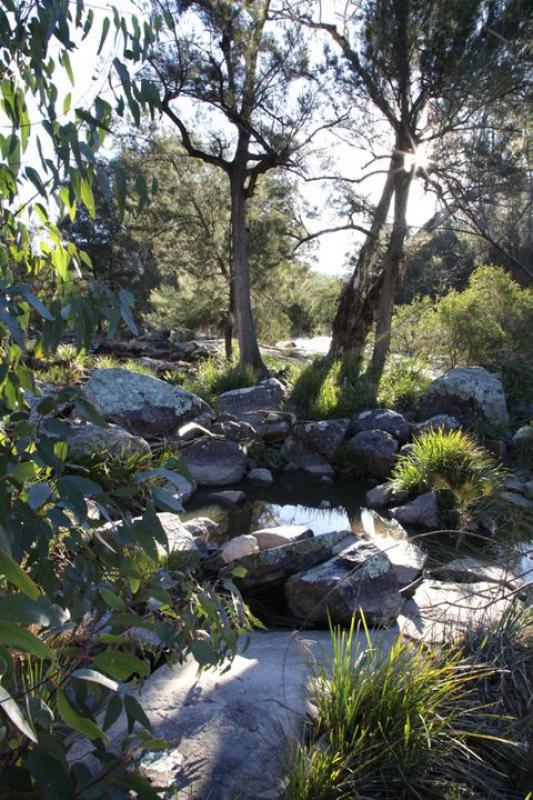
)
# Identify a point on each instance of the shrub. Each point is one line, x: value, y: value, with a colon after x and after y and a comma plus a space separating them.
x: 487, y: 324
x: 396, y: 725
x: 448, y: 461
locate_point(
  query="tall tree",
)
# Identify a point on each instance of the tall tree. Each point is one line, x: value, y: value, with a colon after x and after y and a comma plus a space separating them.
x: 427, y: 69
x: 243, y: 70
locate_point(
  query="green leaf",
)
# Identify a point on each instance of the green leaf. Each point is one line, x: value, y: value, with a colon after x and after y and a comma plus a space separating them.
x: 113, y: 711
x: 135, y: 713
x: 93, y: 676
x: 239, y: 571
x: 22, y: 639
x: 112, y: 600
x: 70, y: 716
x: 121, y: 666
x: 50, y: 775
x: 105, y: 30
x: 32, y: 612
x: 17, y: 576
x: 13, y: 712
x: 38, y: 494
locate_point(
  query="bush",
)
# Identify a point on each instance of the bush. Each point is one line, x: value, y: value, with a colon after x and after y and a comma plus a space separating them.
x: 402, y: 384
x: 488, y: 324
x: 402, y: 724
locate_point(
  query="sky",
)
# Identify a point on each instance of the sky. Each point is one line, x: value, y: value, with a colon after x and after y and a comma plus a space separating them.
x: 331, y: 251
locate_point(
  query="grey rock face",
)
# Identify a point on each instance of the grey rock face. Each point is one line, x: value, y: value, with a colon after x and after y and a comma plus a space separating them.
x: 267, y: 395
x: 443, y: 421
x: 383, y: 419
x: 468, y: 393
x: 423, y: 511
x: 471, y: 570
x: 300, y: 455
x: 443, y: 611
x: 179, y: 537
x: 143, y: 404
x: 407, y: 559
x: 85, y: 440
x: 360, y: 578
x: 324, y: 436
x: 215, y: 462
x: 377, y: 450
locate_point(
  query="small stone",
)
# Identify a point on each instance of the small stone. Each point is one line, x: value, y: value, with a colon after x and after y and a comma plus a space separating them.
x: 281, y: 535
x: 325, y: 504
x: 383, y: 419
x: 443, y: 422
x: 260, y: 476
x: 238, y: 547
x: 319, y: 470
x: 228, y: 499
x: 160, y: 767
x: 423, y: 511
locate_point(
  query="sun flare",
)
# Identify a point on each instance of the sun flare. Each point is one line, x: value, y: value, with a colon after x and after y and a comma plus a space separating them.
x: 418, y: 158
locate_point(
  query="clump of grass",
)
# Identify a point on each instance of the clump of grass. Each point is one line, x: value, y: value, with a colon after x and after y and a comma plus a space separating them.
x: 403, y: 383
x: 66, y: 367
x: 214, y: 377
x: 448, y: 461
x: 115, y: 472
x: 327, y: 389
x: 396, y: 725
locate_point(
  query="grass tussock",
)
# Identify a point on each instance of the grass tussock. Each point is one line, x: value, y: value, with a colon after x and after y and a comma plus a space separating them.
x: 213, y: 377
x: 448, y: 461
x: 414, y: 723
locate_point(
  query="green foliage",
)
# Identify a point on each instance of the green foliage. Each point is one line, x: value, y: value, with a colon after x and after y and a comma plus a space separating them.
x: 402, y: 384
x: 487, y: 324
x: 213, y: 377
x: 62, y: 572
x: 397, y: 724
x: 451, y: 462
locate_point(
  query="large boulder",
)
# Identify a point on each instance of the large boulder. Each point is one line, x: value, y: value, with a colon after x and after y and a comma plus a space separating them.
x: 300, y: 455
x: 266, y: 396
x: 86, y: 440
x: 215, y: 462
x: 323, y: 437
x: 469, y: 394
x: 383, y: 419
x: 422, y: 512
x: 360, y: 578
x: 377, y: 451
x: 144, y: 405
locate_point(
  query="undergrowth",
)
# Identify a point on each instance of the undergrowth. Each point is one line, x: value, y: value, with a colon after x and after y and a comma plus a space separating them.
x: 416, y: 722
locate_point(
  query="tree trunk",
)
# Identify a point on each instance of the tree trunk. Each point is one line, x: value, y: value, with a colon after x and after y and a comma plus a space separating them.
x: 249, y: 354
x: 355, y: 312
x: 392, y: 273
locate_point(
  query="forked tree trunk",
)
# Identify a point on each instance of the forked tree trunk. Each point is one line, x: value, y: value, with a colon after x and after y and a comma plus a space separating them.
x: 249, y: 354
x: 392, y: 273
x: 355, y: 312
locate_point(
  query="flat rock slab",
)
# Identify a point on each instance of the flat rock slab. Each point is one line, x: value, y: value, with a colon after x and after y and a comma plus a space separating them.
x: 233, y: 730
x: 442, y: 611
x: 471, y: 570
